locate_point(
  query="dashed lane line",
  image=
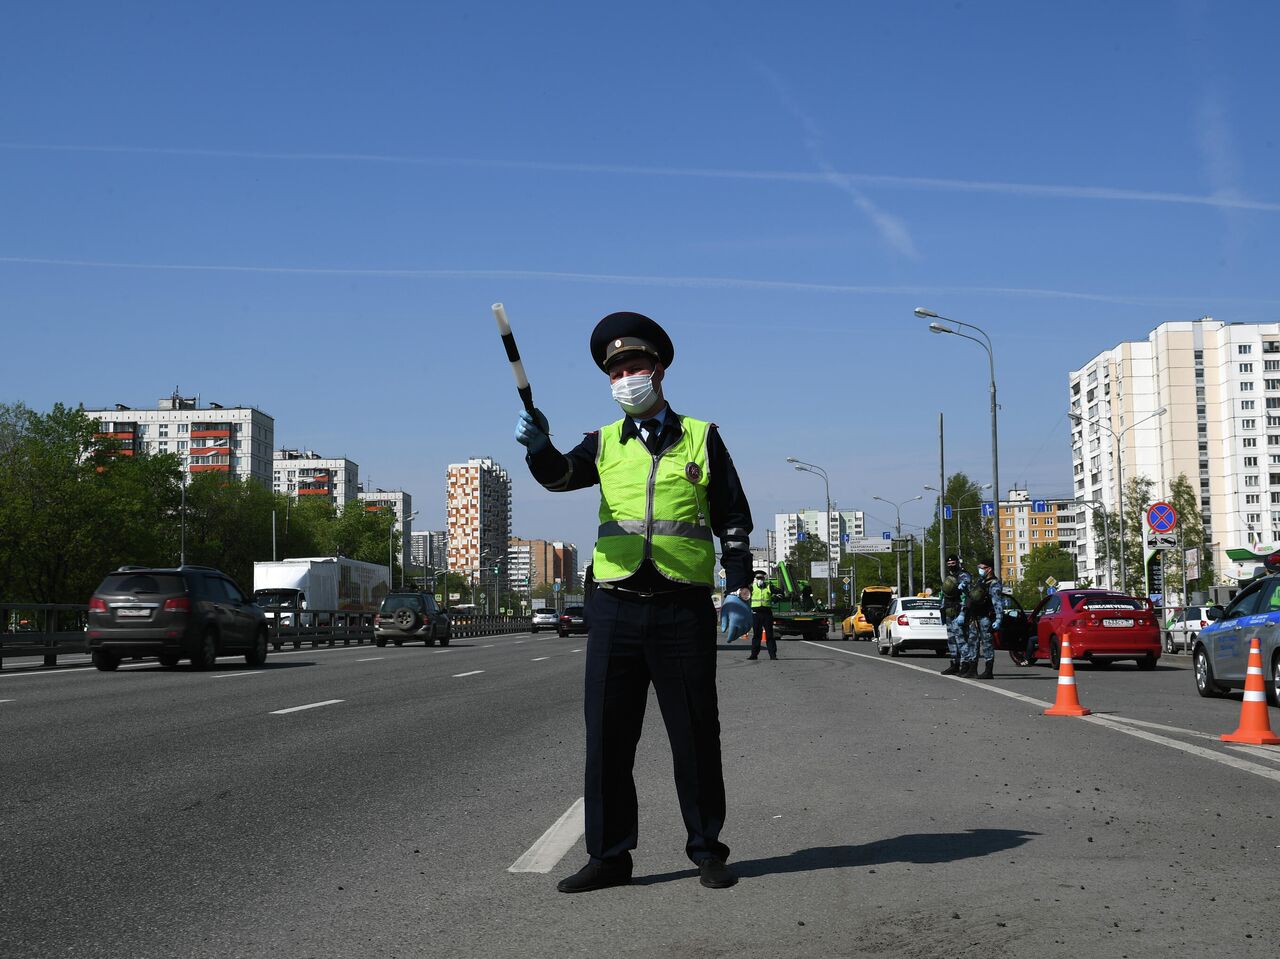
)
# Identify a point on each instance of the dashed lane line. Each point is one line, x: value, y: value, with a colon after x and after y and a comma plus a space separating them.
x: 551, y: 846
x: 256, y: 672
x: 374, y: 659
x: 474, y: 672
x: 538, y: 659
x: 1108, y: 722
x: 298, y: 709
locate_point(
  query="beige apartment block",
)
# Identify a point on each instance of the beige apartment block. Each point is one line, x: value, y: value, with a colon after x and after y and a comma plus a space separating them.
x: 1219, y: 386
x: 478, y: 517
x: 1025, y: 523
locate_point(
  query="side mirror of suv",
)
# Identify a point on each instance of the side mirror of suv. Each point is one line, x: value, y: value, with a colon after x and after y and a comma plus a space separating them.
x: 1214, y: 613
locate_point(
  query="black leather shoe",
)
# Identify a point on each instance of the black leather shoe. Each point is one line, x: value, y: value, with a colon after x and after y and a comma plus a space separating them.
x: 714, y: 874
x: 597, y: 875
x: 952, y: 669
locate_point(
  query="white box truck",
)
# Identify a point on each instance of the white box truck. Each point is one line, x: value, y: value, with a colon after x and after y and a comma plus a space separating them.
x: 321, y: 584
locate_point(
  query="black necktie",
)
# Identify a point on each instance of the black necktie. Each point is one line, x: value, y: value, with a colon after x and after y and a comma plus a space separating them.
x: 654, y: 429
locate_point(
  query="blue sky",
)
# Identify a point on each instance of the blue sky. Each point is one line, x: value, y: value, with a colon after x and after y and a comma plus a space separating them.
x: 310, y: 207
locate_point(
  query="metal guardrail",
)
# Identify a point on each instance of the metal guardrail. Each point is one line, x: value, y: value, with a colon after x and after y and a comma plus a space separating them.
x: 51, y: 630
x: 42, y: 629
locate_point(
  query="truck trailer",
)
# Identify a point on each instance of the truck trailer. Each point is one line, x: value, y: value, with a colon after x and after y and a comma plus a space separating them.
x: 319, y: 586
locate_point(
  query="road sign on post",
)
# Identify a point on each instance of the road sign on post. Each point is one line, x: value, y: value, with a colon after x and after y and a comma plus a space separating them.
x: 886, y: 535
x: 870, y: 546
x: 1162, y: 541
x: 1161, y: 517
x: 946, y: 512
x: 1039, y: 506
x: 988, y: 508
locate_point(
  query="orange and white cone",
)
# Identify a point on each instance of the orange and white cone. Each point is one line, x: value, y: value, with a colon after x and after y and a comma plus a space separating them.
x: 1068, y: 703
x: 1255, y: 724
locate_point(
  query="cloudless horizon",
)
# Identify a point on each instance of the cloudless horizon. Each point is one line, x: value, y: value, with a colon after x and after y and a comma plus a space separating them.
x: 310, y: 208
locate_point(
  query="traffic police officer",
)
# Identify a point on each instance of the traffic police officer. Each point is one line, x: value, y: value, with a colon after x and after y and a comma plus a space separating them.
x: 988, y: 603
x: 667, y: 485
x: 762, y: 617
x: 955, y: 597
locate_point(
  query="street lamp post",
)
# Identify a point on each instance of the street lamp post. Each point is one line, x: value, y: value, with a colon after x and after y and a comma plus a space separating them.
x: 804, y: 467
x: 182, y: 546
x: 897, y: 509
x: 1119, y: 451
x: 985, y: 343
x: 942, y: 537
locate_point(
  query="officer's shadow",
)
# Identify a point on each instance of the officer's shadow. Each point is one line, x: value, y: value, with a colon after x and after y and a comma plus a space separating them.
x: 912, y: 847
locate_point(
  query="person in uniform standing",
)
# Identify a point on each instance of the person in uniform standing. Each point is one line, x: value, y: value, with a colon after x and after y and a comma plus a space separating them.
x: 955, y: 596
x: 762, y: 617
x: 987, y: 606
x: 668, y: 488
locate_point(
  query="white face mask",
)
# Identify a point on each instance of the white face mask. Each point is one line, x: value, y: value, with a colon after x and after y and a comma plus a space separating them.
x: 635, y: 393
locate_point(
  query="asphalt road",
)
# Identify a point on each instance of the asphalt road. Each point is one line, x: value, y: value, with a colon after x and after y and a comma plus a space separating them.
x: 876, y: 809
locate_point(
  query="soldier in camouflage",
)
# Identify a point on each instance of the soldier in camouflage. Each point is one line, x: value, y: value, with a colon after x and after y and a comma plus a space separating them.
x: 955, y: 597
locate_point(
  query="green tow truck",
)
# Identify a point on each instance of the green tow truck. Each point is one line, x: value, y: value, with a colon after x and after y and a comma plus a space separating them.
x: 795, y: 613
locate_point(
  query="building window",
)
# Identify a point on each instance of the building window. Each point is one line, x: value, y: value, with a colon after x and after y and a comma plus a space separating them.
x: 1253, y: 499
x: 1251, y: 461
x: 183, y: 427
x: 1248, y: 424
x: 163, y: 430
x: 1244, y: 349
x: 182, y: 445
x: 1244, y: 405
x: 1246, y: 386
x: 1249, y: 442
x: 1246, y: 367
x: 1251, y: 481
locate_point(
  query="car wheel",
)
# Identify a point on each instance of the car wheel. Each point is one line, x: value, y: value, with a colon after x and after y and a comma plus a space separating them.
x: 105, y: 660
x: 168, y: 659
x: 1273, y: 686
x: 1206, y: 686
x: 1055, y: 652
x: 380, y: 641
x: 939, y: 653
x: 258, y: 655
x: 207, y: 655
x: 406, y: 619
x: 398, y: 641
x: 881, y: 649
x: 1147, y: 662
x: 562, y: 635
x: 1168, y: 643
x: 894, y: 650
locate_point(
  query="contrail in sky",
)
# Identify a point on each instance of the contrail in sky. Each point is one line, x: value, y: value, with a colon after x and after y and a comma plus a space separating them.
x: 1224, y: 200
x: 691, y: 282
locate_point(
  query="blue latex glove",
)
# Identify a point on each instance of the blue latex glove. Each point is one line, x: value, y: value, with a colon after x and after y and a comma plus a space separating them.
x: 532, y: 431
x: 735, y: 616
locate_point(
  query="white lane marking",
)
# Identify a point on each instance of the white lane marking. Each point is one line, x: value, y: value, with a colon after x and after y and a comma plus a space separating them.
x: 538, y: 659
x: 1120, y: 726
x: 295, y: 709
x: 8, y: 700
x: 575, y: 650
x: 375, y: 659
x: 256, y: 672
x: 551, y: 846
x: 474, y: 672
x: 517, y: 642
x: 487, y: 646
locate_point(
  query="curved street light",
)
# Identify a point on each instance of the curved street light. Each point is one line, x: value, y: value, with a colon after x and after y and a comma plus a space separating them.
x: 897, y: 509
x: 985, y: 343
x: 1119, y: 453
x: 803, y: 467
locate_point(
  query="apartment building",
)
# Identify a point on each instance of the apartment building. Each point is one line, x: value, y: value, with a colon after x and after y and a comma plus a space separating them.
x: 210, y: 438
x: 305, y: 473
x: 478, y: 515
x: 1200, y: 398
x: 535, y: 562
x: 431, y: 545
x: 1026, y: 523
x: 845, y: 525
x: 401, y: 503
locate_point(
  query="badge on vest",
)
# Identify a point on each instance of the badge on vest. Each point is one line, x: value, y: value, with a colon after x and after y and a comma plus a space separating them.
x: 692, y: 472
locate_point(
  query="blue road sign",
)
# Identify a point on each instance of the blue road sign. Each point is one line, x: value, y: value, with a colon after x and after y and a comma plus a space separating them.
x: 844, y: 537
x: 988, y: 508
x: 946, y: 512
x: 886, y: 535
x: 1039, y: 506
x: 801, y: 536
x: 1161, y: 517
x: 555, y: 587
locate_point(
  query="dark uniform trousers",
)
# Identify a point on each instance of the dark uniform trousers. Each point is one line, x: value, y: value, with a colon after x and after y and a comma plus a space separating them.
x: 668, y: 639
x: 762, y: 622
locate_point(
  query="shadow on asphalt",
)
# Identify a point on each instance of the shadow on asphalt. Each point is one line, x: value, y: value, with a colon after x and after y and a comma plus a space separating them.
x: 912, y: 847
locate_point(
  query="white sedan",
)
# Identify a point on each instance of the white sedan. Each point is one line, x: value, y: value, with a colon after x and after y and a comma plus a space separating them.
x: 913, y: 623
x: 544, y: 619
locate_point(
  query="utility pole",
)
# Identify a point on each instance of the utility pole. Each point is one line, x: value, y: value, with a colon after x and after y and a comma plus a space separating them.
x: 942, y: 495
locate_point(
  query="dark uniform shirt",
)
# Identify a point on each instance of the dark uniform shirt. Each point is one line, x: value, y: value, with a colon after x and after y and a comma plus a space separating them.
x: 730, y: 514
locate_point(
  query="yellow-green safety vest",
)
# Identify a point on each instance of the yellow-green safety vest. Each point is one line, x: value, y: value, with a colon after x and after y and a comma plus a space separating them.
x: 761, y: 595
x: 654, y: 507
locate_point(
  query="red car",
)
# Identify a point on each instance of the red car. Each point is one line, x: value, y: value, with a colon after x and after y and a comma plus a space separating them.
x: 1102, y: 627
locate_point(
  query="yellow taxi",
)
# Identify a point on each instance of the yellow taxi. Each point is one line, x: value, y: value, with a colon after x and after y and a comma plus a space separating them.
x: 867, y: 614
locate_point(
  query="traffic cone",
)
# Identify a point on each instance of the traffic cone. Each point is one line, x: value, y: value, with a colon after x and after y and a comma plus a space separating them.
x: 1255, y: 725
x: 1068, y: 703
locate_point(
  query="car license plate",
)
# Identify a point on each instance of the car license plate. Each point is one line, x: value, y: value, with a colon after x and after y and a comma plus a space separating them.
x: 1117, y: 622
x: 133, y: 613
x: 929, y: 621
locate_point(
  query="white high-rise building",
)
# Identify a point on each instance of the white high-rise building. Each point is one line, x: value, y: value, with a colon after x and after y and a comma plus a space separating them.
x: 1219, y: 385
x: 845, y: 525
x: 402, y: 504
x: 213, y: 438
x: 307, y: 473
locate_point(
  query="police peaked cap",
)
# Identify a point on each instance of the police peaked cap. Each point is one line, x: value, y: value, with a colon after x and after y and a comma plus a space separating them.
x: 621, y: 333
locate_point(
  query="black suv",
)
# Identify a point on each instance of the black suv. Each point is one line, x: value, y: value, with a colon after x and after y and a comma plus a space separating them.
x: 408, y: 615
x: 187, y: 612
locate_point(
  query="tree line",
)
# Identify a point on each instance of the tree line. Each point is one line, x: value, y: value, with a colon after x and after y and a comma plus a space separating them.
x: 73, y: 507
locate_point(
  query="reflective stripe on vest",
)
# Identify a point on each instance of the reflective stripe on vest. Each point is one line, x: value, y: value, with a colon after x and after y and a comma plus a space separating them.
x: 761, y: 595
x: 654, y: 507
